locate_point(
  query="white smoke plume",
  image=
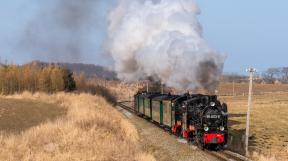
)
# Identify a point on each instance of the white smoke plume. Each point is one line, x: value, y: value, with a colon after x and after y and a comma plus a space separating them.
x: 162, y: 39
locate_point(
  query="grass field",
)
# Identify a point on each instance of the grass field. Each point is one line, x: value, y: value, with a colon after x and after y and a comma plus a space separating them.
x: 242, y: 88
x: 269, y: 123
x: 90, y: 129
x: 19, y: 115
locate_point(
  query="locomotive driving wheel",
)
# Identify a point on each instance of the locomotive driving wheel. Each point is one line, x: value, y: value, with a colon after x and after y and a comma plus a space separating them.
x: 178, y: 132
x: 199, y: 141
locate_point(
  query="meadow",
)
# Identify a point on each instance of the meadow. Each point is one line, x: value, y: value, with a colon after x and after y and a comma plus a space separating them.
x: 87, y: 128
x: 269, y: 121
x: 17, y: 115
x: 258, y: 89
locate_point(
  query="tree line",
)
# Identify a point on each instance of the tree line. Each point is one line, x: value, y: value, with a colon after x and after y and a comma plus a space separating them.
x: 276, y: 74
x: 50, y: 79
x: 269, y: 76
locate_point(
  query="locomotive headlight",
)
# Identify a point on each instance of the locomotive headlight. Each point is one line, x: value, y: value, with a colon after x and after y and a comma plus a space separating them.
x: 222, y: 128
x: 212, y: 104
x: 206, y: 128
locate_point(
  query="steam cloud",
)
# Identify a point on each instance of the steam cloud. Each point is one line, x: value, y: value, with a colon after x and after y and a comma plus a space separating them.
x: 61, y: 29
x: 162, y: 39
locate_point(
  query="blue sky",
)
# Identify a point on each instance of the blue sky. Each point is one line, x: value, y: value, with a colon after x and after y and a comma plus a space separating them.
x: 251, y: 33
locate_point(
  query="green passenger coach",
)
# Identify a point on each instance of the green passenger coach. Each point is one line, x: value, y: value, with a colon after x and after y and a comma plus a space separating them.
x: 141, y: 104
x: 147, y: 106
x: 163, y: 109
x: 157, y: 107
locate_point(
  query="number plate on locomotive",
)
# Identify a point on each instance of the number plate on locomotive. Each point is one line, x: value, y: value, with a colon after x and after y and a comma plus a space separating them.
x: 213, y: 116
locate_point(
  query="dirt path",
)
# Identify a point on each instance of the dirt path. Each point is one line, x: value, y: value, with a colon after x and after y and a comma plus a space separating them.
x: 163, y: 146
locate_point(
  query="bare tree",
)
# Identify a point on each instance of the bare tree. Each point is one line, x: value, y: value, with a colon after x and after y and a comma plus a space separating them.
x: 284, y: 74
x: 271, y: 74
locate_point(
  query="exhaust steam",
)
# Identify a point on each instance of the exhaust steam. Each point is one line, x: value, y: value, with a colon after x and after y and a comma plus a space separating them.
x: 162, y: 39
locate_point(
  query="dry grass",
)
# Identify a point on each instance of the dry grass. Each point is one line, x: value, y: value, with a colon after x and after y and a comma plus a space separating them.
x: 242, y: 88
x: 19, y: 115
x: 269, y: 124
x: 121, y: 90
x: 91, y: 130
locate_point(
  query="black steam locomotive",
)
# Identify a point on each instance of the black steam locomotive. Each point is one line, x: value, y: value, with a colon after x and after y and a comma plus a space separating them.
x: 200, y: 119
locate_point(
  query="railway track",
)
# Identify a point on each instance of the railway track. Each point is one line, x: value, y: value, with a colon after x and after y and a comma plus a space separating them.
x: 126, y: 107
x: 228, y: 156
x: 221, y: 155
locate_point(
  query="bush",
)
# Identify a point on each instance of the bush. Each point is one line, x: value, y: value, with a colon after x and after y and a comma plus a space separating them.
x: 100, y: 91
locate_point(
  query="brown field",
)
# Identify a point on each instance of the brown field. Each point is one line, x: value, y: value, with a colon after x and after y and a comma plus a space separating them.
x: 269, y: 121
x: 242, y: 88
x: 91, y: 130
x: 269, y: 125
x: 19, y: 115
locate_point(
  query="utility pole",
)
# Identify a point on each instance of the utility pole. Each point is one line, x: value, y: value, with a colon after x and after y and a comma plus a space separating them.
x: 251, y: 72
x: 233, y: 88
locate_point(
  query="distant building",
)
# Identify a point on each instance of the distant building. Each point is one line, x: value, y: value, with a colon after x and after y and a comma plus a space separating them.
x: 277, y: 82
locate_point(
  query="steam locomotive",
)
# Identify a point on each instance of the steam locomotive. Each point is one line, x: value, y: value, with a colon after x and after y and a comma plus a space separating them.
x: 201, y: 119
